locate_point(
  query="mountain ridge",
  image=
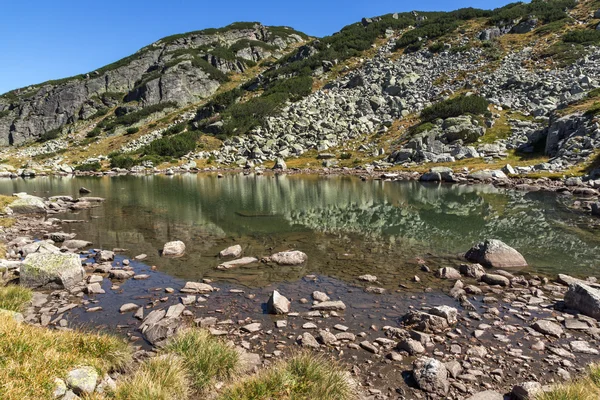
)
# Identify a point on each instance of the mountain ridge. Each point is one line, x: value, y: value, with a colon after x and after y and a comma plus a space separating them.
x: 275, y: 110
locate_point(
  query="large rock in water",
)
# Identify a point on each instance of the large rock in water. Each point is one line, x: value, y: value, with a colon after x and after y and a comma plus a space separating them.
x: 431, y: 375
x: 583, y: 298
x: 289, y: 258
x: 278, y: 304
x: 52, y: 271
x: 174, y: 249
x: 28, y: 205
x: 495, y: 253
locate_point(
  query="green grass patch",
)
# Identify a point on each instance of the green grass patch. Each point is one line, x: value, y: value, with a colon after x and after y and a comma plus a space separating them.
x: 205, y: 357
x: 14, y: 298
x: 304, y: 376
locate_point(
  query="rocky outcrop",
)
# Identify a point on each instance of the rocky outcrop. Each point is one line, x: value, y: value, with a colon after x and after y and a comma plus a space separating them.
x: 161, y: 72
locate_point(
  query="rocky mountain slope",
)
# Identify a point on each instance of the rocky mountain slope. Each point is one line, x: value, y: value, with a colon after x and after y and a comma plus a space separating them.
x: 470, y: 88
x: 180, y: 69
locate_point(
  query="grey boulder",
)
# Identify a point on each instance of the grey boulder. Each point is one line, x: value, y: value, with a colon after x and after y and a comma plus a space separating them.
x: 583, y: 298
x: 51, y: 270
x: 495, y: 253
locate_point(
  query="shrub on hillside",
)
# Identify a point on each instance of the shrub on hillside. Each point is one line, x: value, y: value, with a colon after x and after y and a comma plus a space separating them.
x: 134, y: 117
x: 89, y: 167
x: 582, y: 37
x: 50, y: 135
x: 121, y: 161
x: 175, y: 129
x: 131, y: 131
x: 175, y: 146
x: 94, y: 133
x: 456, y: 106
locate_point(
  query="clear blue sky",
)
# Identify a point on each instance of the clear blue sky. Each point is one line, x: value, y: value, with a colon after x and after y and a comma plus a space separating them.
x: 42, y: 39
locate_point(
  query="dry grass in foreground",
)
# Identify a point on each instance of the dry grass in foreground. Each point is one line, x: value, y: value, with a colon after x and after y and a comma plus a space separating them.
x: 206, y: 357
x: 31, y: 357
x: 587, y: 388
x: 302, y: 377
x: 14, y: 298
x: 159, y: 378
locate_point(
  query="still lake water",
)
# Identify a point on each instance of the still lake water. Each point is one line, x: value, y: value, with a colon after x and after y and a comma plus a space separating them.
x: 346, y: 226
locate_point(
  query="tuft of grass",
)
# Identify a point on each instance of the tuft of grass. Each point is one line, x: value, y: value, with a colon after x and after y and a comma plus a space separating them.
x: 7, y: 222
x: 31, y: 357
x: 207, y: 358
x: 14, y: 298
x: 5, y: 201
x: 304, y: 376
x: 587, y: 388
x: 159, y: 378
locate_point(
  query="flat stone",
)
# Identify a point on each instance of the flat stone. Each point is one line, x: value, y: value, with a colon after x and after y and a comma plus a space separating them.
x: 237, y: 263
x: 128, y: 307
x: 330, y: 306
x: 252, y: 328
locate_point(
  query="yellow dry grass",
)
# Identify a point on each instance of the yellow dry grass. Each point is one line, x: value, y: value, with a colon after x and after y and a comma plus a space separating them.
x: 31, y: 357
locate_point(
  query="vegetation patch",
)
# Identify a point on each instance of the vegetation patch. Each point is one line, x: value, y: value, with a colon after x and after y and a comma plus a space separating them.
x: 158, y: 378
x: 587, y: 388
x: 50, y: 135
x: 454, y: 107
x: 582, y: 36
x: 205, y: 357
x: 134, y: 117
x: 89, y: 167
x: 564, y: 53
x: 304, y: 376
x: 31, y: 357
x: 121, y: 161
x: 14, y: 298
x: 175, y: 146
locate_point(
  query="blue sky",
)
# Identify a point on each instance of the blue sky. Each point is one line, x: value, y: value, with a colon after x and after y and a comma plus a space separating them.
x: 42, y: 40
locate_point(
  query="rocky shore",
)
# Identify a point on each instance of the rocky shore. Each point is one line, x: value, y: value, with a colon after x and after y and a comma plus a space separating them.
x: 495, y: 331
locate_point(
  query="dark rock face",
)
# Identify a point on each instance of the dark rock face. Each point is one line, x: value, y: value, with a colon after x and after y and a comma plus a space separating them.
x: 496, y: 254
x: 161, y: 72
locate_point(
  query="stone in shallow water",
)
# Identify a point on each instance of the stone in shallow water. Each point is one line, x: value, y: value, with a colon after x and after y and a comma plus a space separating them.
x: 174, y: 249
x: 237, y: 263
x: 289, y: 258
x: 278, y: 304
x: 196, y: 287
x: 231, y: 252
x: 251, y: 328
x: 496, y: 254
x: 330, y: 306
x: 548, y: 328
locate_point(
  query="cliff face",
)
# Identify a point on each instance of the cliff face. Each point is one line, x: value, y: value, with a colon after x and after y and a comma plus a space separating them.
x: 181, y: 68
